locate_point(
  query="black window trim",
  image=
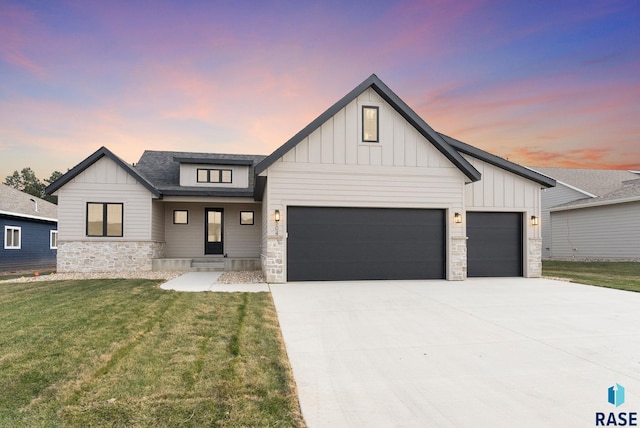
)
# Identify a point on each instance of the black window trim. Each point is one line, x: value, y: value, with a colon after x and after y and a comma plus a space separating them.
x: 104, y: 220
x: 253, y: 218
x: 219, y: 171
x: 174, y: 216
x: 377, y: 109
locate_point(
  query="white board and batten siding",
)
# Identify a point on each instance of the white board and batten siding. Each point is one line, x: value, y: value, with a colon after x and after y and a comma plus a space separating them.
x: 113, y: 185
x: 332, y: 167
x: 599, y: 232
x: 503, y: 191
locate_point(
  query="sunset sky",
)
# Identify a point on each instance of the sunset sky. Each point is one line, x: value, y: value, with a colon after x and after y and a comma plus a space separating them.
x: 549, y: 83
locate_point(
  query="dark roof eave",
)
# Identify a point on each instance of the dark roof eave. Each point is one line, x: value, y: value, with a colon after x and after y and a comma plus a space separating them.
x: 403, y: 109
x: 243, y: 193
x: 213, y: 161
x: 500, y: 162
x: 93, y: 158
x: 258, y: 191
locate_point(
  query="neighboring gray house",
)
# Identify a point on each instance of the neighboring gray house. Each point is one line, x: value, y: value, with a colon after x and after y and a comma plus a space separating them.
x: 591, y: 214
x: 29, y: 231
x: 366, y: 191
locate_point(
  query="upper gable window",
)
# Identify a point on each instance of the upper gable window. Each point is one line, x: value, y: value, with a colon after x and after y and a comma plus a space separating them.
x: 370, y: 124
x: 214, y: 175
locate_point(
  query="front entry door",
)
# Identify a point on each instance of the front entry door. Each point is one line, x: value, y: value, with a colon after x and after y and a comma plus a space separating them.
x: 213, y: 231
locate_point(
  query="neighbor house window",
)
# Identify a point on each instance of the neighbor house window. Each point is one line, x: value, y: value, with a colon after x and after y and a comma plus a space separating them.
x: 214, y: 176
x: 246, y: 217
x: 53, y: 240
x: 180, y: 217
x: 104, y: 219
x: 12, y: 238
x: 370, y: 124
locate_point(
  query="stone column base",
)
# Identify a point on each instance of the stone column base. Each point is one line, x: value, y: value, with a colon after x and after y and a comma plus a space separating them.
x: 535, y: 258
x: 273, y: 260
x: 458, y: 262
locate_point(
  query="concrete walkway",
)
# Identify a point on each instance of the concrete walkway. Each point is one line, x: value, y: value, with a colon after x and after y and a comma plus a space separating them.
x: 206, y: 281
x: 480, y: 353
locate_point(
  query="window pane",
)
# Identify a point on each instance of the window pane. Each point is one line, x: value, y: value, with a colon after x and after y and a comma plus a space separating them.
x: 226, y: 176
x: 246, y: 217
x: 214, y: 227
x: 203, y: 175
x: 214, y: 176
x: 114, y: 220
x: 94, y: 219
x: 12, y: 237
x: 180, y: 217
x: 370, y: 124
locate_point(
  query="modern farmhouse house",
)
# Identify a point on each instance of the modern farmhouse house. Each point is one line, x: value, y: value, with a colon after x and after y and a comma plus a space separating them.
x: 367, y: 190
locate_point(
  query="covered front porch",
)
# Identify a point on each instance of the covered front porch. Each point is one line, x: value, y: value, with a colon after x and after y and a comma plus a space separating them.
x: 208, y: 234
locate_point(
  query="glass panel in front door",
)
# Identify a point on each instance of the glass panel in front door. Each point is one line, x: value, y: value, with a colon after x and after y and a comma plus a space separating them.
x: 214, y: 227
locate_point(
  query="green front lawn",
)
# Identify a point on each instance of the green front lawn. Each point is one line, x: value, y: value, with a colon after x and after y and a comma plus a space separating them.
x: 620, y: 275
x: 125, y: 353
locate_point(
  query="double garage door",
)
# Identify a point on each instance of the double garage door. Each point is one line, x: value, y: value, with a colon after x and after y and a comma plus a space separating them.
x: 333, y: 244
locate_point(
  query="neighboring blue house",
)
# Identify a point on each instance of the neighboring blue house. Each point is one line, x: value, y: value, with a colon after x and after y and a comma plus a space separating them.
x: 29, y: 230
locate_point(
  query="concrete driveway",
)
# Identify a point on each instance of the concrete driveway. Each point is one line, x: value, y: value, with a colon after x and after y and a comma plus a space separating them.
x: 480, y: 353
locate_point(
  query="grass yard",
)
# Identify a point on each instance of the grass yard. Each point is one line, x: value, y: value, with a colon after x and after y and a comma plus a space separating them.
x: 125, y: 353
x: 620, y: 275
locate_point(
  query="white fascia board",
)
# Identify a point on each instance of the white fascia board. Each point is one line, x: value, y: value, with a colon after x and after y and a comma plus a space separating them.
x: 33, y: 217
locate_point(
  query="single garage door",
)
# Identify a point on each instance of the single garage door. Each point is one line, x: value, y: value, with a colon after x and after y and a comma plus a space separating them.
x: 333, y: 244
x: 494, y: 247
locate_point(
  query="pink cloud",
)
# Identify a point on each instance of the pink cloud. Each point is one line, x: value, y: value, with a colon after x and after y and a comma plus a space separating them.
x: 17, y: 29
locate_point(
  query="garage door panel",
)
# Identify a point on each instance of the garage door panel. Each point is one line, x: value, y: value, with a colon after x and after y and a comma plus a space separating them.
x: 495, y: 244
x: 361, y: 243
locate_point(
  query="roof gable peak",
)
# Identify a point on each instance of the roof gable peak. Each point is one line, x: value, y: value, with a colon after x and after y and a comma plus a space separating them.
x: 93, y: 158
x: 374, y: 82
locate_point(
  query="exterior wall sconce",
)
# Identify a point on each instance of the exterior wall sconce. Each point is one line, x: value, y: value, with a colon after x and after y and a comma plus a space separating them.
x: 534, y: 220
x: 277, y: 215
x: 457, y: 218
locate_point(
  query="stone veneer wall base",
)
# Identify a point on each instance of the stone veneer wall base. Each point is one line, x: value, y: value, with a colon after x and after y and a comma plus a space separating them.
x: 107, y: 256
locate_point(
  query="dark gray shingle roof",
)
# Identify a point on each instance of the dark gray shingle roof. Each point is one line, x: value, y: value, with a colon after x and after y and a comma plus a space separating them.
x: 162, y: 169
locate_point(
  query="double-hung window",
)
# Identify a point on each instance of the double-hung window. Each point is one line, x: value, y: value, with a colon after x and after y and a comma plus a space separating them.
x: 104, y: 219
x: 214, y: 175
x: 12, y: 238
